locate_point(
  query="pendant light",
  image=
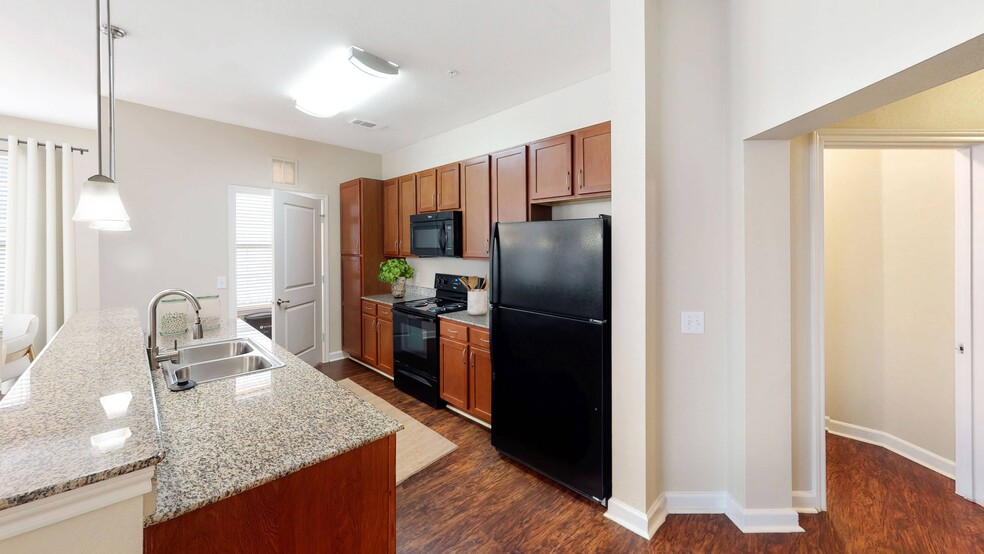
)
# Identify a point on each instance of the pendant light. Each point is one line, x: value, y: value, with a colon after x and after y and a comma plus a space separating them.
x: 99, y: 203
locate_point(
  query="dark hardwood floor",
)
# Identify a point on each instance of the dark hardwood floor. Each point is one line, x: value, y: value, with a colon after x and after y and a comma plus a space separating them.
x: 474, y: 500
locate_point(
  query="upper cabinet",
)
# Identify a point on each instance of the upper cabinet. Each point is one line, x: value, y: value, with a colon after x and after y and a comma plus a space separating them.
x: 448, y: 187
x: 408, y: 207
x: 391, y: 218
x: 550, y: 168
x: 593, y: 159
x: 350, y: 218
x: 509, y: 185
x: 427, y: 191
x: 476, y: 204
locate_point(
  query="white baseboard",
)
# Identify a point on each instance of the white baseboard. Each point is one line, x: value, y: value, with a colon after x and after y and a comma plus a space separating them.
x: 888, y: 441
x: 469, y: 417
x: 695, y: 502
x: 758, y: 520
x: 642, y: 524
x: 805, y: 502
x: 60, y: 507
x: 335, y: 356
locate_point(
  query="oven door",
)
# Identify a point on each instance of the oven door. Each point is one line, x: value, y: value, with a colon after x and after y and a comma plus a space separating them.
x: 428, y: 238
x: 415, y: 344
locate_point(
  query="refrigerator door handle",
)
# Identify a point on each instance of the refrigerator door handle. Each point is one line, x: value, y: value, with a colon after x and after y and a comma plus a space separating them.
x: 494, y: 263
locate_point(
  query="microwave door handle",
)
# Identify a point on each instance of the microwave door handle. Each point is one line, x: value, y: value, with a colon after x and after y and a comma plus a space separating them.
x: 444, y: 239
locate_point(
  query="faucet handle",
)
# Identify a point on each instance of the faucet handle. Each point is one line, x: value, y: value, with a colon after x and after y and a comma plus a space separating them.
x: 175, y: 345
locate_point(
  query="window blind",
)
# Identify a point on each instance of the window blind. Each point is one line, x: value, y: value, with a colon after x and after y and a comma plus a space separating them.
x: 254, y: 249
x: 3, y: 230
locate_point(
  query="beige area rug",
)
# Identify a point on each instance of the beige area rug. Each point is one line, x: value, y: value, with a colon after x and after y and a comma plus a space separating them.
x: 417, y: 446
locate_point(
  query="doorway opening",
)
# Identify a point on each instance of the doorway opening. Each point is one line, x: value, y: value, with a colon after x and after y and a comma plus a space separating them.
x: 894, y: 247
x: 277, y: 267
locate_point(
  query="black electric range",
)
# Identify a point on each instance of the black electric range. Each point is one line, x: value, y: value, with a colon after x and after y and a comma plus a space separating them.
x: 416, y: 346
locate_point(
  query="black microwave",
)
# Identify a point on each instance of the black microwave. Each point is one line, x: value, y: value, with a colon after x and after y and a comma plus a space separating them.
x: 436, y: 234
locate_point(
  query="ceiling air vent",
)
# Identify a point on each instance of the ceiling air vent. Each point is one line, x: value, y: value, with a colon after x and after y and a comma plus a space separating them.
x: 362, y: 123
x: 284, y: 172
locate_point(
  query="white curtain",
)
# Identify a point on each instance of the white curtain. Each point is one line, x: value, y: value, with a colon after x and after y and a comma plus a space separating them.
x: 40, y: 272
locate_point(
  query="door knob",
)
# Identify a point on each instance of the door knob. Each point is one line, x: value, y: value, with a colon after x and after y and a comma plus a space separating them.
x: 282, y: 302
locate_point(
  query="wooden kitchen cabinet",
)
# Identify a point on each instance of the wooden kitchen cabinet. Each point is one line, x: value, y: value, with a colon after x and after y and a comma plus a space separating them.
x: 408, y: 207
x: 449, y: 187
x: 508, y: 180
x: 384, y: 334
x: 427, y: 191
x: 361, y: 206
x: 454, y: 373
x: 369, y: 339
x: 480, y: 383
x: 550, y: 168
x: 593, y: 160
x: 476, y: 204
x: 391, y: 218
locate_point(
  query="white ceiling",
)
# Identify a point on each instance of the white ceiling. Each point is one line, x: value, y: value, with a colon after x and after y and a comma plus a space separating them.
x: 235, y: 61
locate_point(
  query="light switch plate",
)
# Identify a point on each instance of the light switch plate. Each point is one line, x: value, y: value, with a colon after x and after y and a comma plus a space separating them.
x: 692, y: 322
x: 220, y: 282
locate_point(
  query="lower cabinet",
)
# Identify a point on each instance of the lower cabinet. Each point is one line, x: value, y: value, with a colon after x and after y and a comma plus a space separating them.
x: 466, y: 369
x: 377, y: 336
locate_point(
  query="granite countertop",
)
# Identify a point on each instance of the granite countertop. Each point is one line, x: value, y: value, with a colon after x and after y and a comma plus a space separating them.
x: 228, y: 436
x: 463, y: 317
x: 56, y: 433
x: 413, y: 293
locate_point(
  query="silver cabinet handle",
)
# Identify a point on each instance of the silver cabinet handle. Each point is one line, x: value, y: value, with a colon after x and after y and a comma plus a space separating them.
x: 568, y: 181
x: 282, y: 302
x: 580, y: 178
x: 486, y: 245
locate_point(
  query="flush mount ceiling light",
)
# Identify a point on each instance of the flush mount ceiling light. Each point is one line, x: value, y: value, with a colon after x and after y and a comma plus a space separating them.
x: 341, y: 81
x: 99, y: 202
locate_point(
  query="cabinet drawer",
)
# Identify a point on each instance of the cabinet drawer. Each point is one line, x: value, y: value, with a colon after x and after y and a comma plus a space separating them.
x: 384, y: 312
x: 368, y: 308
x: 478, y: 337
x: 454, y: 331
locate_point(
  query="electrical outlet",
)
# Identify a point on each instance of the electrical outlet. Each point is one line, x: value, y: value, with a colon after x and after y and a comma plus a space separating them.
x: 220, y: 282
x: 692, y: 322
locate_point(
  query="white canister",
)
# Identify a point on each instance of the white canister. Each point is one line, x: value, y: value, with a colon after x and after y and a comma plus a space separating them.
x: 478, y: 302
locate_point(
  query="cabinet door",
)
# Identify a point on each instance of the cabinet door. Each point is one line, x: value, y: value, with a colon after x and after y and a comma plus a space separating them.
x: 448, y: 187
x: 476, y: 206
x: 351, y: 282
x: 480, y: 397
x: 550, y: 168
x: 408, y: 207
x: 454, y: 373
x: 350, y: 217
x: 593, y: 159
x: 427, y: 191
x: 391, y: 218
x: 352, y: 331
x: 509, y: 185
x: 369, y: 339
x: 384, y: 350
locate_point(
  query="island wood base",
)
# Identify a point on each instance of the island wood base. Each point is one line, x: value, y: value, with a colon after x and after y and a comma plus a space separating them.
x: 343, y: 504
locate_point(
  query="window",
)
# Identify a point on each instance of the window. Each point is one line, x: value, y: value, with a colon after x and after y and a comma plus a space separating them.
x: 254, y: 249
x: 3, y: 228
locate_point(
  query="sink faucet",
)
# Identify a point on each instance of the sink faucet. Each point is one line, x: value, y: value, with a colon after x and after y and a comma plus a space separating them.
x: 154, y: 355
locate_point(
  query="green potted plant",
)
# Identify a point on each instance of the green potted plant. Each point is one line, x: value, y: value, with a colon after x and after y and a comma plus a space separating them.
x: 396, y: 271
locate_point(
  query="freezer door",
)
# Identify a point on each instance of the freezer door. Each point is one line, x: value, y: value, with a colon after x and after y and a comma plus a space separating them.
x: 550, y: 397
x: 559, y: 267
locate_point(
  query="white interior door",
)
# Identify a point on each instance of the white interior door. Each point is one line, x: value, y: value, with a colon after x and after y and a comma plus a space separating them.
x: 297, y: 275
x: 975, y: 380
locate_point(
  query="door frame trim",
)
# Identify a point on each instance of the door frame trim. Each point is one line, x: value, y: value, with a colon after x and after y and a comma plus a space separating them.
x: 875, y: 139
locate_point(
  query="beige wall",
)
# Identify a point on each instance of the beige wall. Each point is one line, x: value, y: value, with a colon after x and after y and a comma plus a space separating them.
x: 174, y: 173
x: 888, y: 221
x: 86, y: 240
x: 114, y: 529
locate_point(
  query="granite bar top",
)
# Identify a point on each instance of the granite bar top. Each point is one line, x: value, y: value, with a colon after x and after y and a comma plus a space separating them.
x: 463, y: 317
x: 228, y: 436
x: 82, y: 413
x: 413, y: 293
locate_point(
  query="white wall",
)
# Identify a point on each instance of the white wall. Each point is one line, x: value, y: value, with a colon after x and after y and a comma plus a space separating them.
x: 174, y: 172
x: 889, y: 247
x: 86, y: 240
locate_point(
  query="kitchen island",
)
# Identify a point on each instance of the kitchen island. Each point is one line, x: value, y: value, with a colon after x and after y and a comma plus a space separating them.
x: 275, y: 460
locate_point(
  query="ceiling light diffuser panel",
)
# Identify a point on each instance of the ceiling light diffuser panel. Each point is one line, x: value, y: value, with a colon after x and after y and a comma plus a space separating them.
x: 344, y: 79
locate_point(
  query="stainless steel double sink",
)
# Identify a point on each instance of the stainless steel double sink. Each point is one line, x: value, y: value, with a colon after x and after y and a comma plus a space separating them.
x: 199, y: 363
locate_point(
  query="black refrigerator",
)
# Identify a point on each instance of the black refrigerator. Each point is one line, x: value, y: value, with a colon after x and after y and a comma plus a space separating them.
x: 550, y: 308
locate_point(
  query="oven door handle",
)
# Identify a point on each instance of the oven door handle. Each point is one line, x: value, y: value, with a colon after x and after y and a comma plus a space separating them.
x: 412, y: 316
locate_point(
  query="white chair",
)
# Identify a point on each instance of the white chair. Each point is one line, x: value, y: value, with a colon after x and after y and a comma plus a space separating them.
x: 19, y: 332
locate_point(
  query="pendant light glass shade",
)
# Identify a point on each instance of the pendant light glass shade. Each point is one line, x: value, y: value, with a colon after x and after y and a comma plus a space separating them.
x: 100, y: 201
